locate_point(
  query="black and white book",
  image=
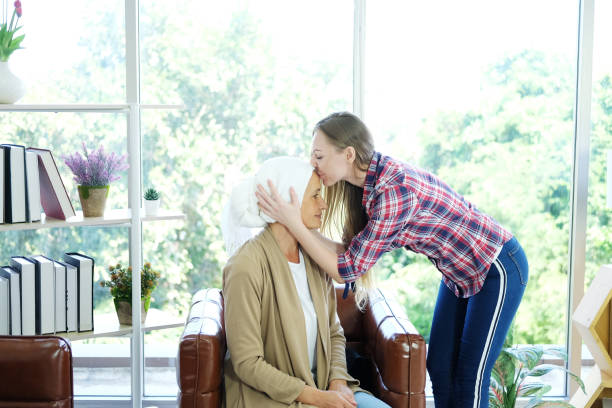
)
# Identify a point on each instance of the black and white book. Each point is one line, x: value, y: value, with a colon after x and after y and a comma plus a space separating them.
x: 45, y: 294
x: 60, y: 297
x: 71, y: 298
x: 33, y: 187
x: 15, y: 298
x: 85, y: 268
x: 27, y: 283
x: 5, y: 307
x: 15, y: 198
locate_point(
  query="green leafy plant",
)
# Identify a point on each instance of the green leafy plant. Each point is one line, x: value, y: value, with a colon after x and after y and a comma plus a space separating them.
x: 120, y: 282
x: 8, y: 42
x: 151, y: 194
x: 512, y: 368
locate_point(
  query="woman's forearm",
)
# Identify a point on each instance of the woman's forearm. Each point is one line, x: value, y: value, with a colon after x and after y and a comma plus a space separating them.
x: 332, y: 245
x: 323, y: 256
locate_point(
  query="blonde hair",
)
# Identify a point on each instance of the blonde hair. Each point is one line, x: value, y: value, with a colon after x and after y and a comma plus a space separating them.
x: 345, y: 214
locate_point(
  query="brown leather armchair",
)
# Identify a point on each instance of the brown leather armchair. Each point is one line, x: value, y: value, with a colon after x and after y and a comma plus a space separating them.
x: 392, y: 366
x: 35, y: 372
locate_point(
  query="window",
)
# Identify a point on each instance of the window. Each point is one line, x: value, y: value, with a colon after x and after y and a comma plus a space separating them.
x: 254, y: 77
x: 74, y: 53
x: 482, y: 94
x: 599, y: 232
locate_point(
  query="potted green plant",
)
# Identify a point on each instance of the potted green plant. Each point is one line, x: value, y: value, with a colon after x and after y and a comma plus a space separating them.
x: 151, y: 201
x: 513, y: 366
x: 93, y: 173
x: 120, y: 284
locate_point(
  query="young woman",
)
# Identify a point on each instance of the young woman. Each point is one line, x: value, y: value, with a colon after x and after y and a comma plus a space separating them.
x: 389, y: 204
x: 286, y: 347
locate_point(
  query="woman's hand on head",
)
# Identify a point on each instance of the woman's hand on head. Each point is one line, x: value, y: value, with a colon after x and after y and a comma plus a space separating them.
x: 274, y: 206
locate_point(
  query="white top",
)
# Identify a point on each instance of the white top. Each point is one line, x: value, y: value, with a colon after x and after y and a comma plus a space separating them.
x: 301, y: 283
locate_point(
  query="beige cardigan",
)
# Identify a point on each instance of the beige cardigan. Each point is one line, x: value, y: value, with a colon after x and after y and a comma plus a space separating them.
x: 267, y: 361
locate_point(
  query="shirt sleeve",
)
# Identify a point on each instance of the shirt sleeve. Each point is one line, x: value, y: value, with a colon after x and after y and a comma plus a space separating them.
x: 393, y: 207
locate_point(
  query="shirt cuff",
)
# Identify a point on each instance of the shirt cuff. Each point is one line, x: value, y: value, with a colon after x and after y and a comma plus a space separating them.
x: 346, y: 269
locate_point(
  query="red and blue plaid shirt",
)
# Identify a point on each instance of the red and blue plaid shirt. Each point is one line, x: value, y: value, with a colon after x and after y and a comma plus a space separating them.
x: 411, y: 208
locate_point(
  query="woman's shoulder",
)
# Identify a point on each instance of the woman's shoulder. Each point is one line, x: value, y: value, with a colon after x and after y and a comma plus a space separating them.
x: 248, y: 258
x: 392, y: 172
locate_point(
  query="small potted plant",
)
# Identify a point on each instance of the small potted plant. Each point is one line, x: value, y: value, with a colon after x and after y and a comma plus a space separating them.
x: 151, y: 201
x: 93, y: 173
x: 120, y: 284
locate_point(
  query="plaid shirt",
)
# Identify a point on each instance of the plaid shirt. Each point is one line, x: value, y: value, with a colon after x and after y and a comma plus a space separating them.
x: 410, y: 208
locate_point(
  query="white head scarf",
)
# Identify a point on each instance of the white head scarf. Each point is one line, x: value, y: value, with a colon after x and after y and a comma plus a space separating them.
x: 241, y: 213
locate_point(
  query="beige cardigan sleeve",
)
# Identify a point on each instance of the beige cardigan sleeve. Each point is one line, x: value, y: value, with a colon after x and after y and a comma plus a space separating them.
x: 338, y: 370
x: 242, y: 291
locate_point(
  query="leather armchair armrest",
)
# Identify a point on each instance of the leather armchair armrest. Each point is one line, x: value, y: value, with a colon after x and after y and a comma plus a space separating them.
x: 201, y: 351
x: 398, y: 351
x: 35, y: 371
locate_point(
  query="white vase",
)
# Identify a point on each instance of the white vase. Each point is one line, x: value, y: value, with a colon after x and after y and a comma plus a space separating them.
x: 151, y: 206
x: 11, y: 87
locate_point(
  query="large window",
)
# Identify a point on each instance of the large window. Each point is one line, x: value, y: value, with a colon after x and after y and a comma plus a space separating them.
x: 482, y: 94
x: 255, y: 77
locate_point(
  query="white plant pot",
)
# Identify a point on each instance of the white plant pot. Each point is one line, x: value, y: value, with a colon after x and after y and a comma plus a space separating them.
x: 12, y: 88
x: 151, y: 206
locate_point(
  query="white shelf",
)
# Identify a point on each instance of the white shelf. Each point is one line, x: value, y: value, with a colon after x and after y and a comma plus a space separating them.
x: 163, y: 107
x: 111, y: 217
x: 64, y: 108
x: 75, y: 107
x: 107, y: 325
x: 162, y: 215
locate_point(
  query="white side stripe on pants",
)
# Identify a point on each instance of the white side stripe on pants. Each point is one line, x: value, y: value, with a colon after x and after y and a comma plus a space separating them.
x: 491, y: 334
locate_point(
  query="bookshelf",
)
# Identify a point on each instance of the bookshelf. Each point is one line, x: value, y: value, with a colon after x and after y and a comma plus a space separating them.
x: 132, y: 217
x: 106, y: 324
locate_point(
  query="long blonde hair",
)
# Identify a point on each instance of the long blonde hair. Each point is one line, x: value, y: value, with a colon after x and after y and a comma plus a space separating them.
x: 345, y: 213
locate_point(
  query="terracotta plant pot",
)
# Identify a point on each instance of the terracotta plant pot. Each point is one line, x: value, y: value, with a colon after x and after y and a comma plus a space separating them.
x: 124, y: 309
x: 93, y: 200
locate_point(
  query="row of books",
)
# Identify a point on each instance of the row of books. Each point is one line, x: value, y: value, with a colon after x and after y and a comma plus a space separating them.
x: 29, y: 179
x: 39, y: 295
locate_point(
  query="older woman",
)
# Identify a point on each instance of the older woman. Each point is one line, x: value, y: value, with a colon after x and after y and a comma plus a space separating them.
x: 286, y: 347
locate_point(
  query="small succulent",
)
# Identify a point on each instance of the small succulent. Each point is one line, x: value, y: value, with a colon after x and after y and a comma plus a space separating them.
x: 151, y: 194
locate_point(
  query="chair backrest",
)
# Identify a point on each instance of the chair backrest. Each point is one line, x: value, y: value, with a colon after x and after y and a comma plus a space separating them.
x: 35, y: 371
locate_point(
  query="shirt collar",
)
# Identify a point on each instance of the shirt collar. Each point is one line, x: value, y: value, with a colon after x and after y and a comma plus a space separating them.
x: 371, y: 176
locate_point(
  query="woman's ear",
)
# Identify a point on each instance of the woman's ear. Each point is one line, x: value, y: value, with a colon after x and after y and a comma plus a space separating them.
x: 349, y: 154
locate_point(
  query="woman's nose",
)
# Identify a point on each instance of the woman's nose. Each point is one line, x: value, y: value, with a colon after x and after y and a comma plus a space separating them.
x: 313, y: 163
